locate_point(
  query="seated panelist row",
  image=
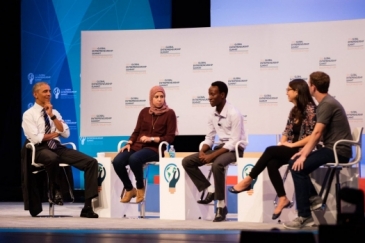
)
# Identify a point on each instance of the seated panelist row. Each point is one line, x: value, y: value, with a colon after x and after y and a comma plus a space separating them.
x: 305, y: 126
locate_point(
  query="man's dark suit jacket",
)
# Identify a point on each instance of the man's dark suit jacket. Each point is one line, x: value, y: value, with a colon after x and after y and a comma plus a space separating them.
x: 34, y: 186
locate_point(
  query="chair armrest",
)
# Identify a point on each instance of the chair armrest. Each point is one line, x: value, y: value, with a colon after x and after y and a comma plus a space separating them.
x: 160, y: 153
x: 71, y: 144
x: 120, y: 144
x: 237, y: 146
x: 335, y: 151
x: 32, y: 147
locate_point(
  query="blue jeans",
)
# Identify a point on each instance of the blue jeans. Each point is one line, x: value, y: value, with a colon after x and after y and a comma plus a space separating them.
x: 304, y: 188
x: 135, y: 160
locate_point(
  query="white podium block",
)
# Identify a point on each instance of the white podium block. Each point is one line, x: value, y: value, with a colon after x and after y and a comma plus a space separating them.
x: 108, y: 204
x: 257, y: 205
x: 178, y: 194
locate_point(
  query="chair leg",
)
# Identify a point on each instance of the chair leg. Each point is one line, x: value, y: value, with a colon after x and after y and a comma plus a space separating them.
x: 328, y: 185
x: 208, y: 178
x: 143, y: 203
x: 325, y: 181
x: 338, y: 188
x: 51, y: 209
x: 50, y: 198
x: 69, y: 185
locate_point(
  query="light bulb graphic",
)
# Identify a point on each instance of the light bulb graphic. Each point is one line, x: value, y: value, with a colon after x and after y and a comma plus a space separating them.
x: 101, y: 174
x: 245, y: 172
x: 56, y: 92
x: 172, y: 176
x: 82, y: 140
x: 30, y: 78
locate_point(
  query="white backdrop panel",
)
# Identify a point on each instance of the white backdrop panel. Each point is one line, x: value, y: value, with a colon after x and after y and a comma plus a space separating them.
x: 257, y: 62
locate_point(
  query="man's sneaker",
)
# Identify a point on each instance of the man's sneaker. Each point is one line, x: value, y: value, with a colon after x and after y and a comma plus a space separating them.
x: 299, y: 223
x: 316, y: 202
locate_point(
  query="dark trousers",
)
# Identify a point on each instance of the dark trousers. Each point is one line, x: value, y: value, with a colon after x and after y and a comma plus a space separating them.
x: 273, y: 158
x: 135, y: 160
x: 192, y: 162
x: 302, y: 182
x: 52, y: 158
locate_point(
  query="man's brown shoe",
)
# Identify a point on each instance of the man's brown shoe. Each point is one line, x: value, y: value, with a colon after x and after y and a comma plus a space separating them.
x: 140, y: 195
x: 128, y: 195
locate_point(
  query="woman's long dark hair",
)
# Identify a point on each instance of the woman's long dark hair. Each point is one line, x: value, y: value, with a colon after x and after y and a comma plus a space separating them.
x: 304, y: 97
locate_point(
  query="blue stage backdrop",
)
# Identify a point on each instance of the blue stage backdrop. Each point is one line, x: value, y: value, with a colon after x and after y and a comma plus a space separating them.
x: 51, y: 37
x: 51, y: 51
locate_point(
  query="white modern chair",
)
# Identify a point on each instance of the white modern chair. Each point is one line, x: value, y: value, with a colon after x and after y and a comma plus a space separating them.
x: 226, y: 168
x: 335, y: 167
x: 145, y: 178
x: 40, y: 168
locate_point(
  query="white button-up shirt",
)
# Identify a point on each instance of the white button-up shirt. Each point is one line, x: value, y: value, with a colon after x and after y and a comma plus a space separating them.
x: 34, y: 124
x: 228, y: 125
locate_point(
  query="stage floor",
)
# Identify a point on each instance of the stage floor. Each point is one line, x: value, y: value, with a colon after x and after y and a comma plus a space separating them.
x: 16, y: 225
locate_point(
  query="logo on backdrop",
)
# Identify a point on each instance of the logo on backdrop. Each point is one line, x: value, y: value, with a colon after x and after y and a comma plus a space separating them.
x: 245, y: 119
x: 68, y: 94
x: 56, y: 92
x: 134, y: 102
x: 38, y: 77
x: 238, y: 48
x: 30, y: 105
x: 355, y: 116
x: 101, y: 85
x: 245, y: 172
x: 172, y: 176
x: 327, y: 62
x: 268, y: 100
x: 101, y: 52
x: 169, y: 83
x: 135, y: 68
x: 101, y: 120
x: 168, y: 51
x: 30, y: 78
x: 354, y: 79
x: 202, y: 67
x: 101, y: 174
x: 82, y: 140
x: 298, y: 77
x: 72, y: 125
x: 355, y: 43
x: 91, y: 140
x: 237, y: 82
x: 269, y: 64
x: 299, y: 45
x: 200, y: 100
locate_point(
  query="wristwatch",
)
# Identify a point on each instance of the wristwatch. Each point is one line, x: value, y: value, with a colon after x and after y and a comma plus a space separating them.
x: 53, y: 117
x: 152, y: 139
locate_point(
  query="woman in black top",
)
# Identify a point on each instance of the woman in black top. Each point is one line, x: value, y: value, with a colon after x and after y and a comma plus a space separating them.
x: 300, y: 124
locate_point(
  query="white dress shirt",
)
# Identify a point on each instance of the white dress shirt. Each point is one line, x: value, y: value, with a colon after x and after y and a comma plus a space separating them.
x: 34, y: 124
x: 228, y: 125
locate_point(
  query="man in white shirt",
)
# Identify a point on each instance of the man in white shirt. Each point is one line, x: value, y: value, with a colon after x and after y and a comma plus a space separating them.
x: 43, y: 125
x: 227, y: 123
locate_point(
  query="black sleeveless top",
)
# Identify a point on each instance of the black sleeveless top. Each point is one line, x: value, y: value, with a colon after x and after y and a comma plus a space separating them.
x: 296, y: 131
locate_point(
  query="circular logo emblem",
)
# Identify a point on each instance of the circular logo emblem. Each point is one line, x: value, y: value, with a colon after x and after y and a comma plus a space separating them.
x: 101, y: 174
x: 246, y: 170
x: 169, y: 171
x: 30, y: 78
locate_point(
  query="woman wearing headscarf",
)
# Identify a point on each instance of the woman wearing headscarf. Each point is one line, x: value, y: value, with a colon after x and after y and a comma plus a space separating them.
x: 155, y: 124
